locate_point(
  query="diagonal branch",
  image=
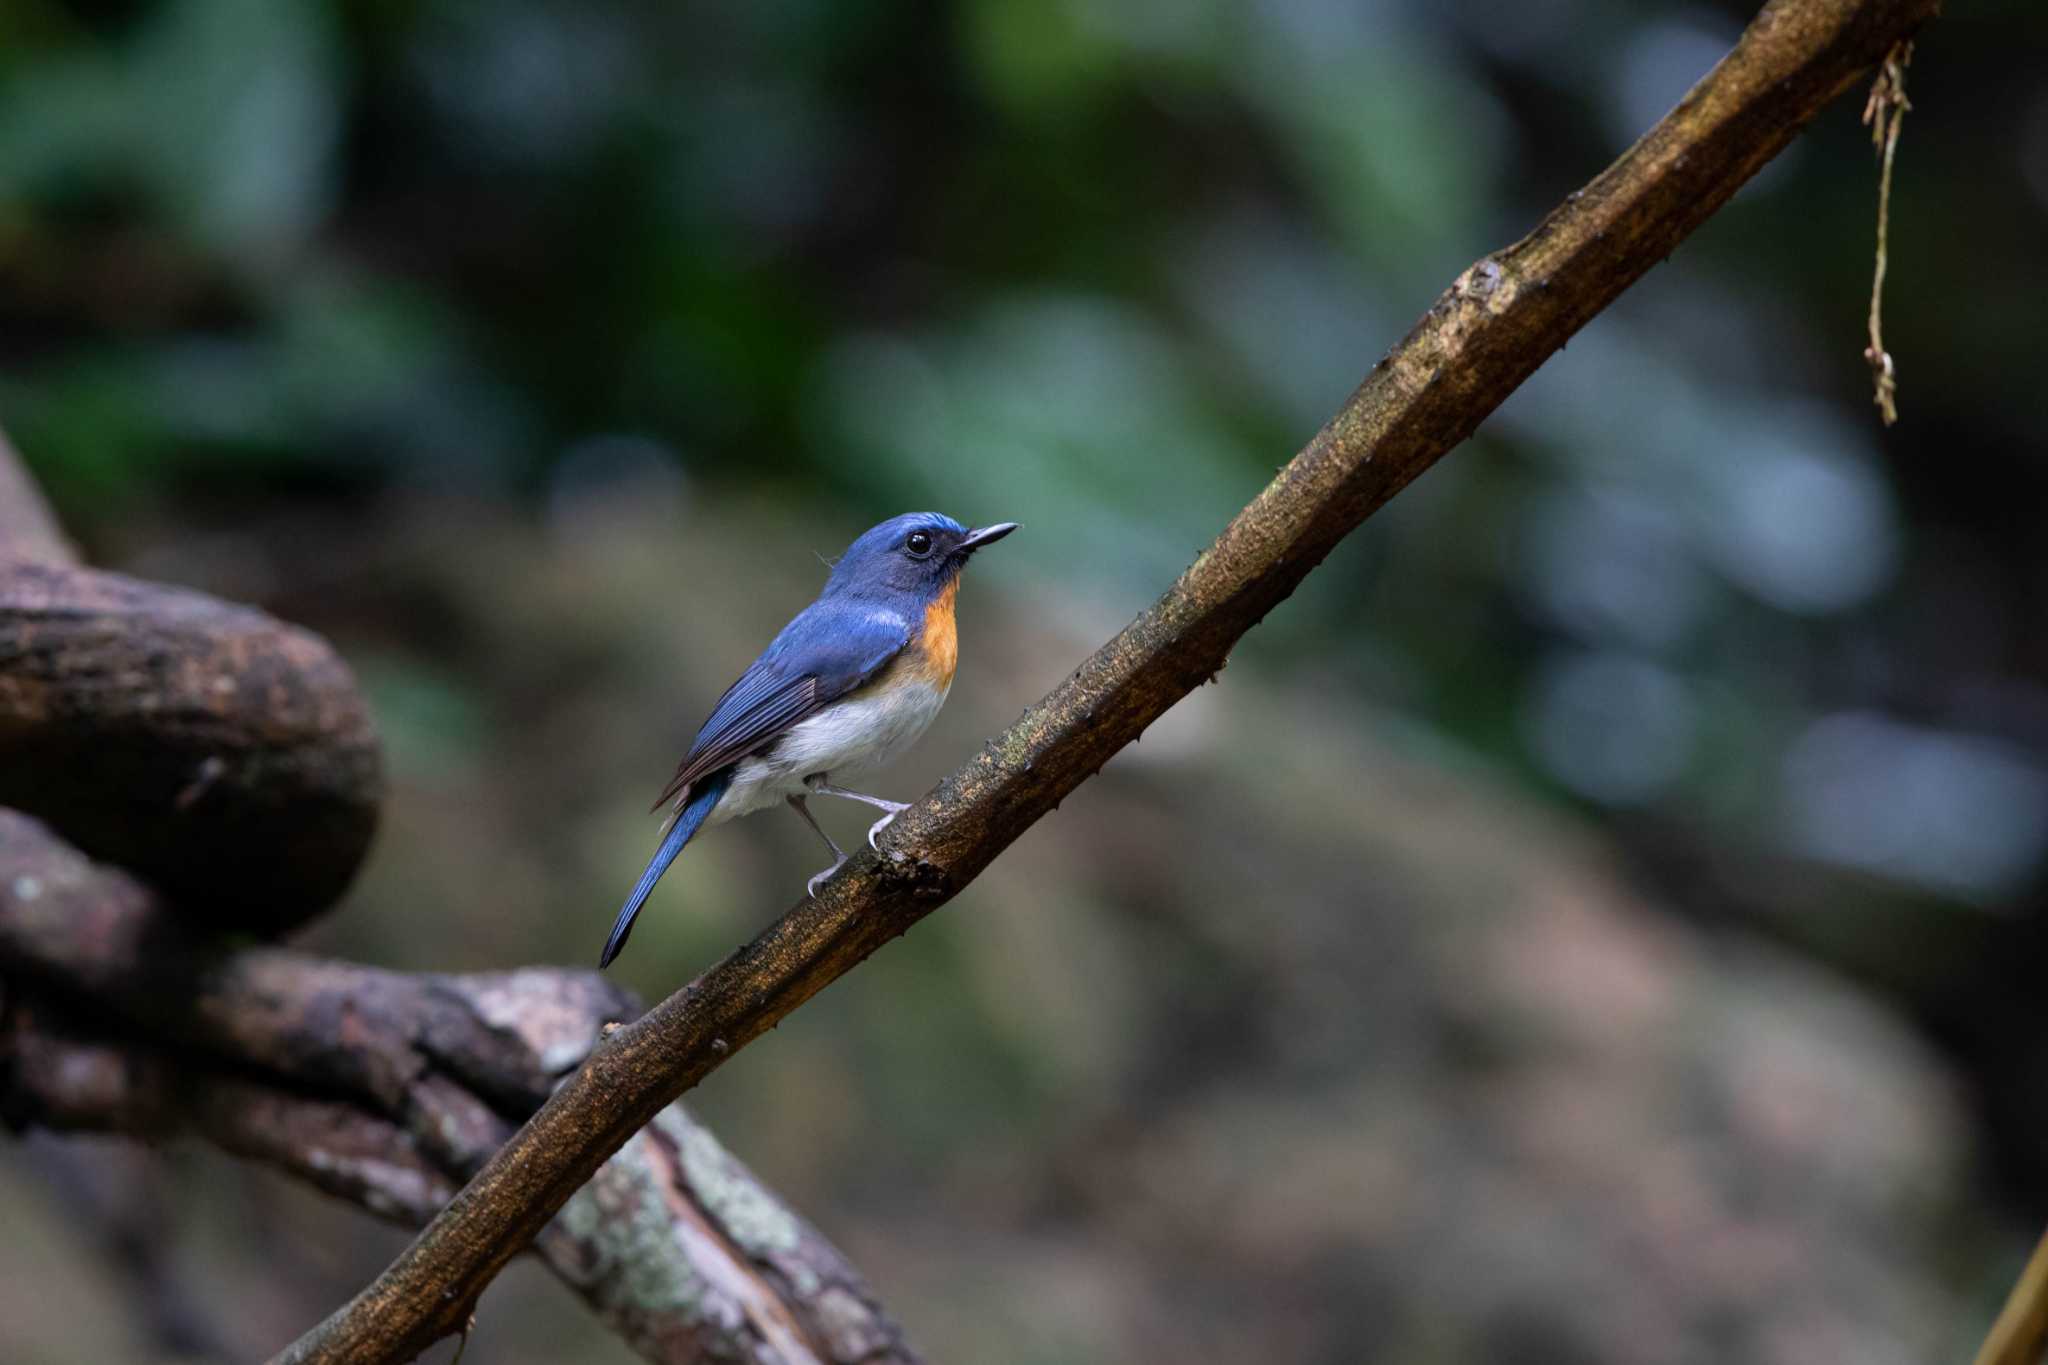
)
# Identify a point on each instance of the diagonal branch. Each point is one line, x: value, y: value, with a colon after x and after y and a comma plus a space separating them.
x: 1496, y: 324
x: 2019, y: 1336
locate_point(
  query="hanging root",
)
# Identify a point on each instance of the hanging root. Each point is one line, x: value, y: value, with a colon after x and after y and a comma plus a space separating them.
x: 1883, y: 112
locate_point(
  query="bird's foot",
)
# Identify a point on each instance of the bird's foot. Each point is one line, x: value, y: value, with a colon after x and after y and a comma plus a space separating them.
x: 817, y: 784
x: 896, y: 808
x: 811, y: 886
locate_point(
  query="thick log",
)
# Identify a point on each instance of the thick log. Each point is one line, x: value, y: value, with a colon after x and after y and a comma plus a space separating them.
x: 222, y: 755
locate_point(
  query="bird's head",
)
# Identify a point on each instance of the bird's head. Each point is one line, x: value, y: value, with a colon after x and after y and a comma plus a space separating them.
x: 918, y: 552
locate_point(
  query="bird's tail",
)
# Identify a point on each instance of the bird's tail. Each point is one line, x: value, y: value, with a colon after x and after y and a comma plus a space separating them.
x: 680, y: 830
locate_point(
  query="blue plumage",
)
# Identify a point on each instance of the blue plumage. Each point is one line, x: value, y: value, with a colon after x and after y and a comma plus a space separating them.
x: 833, y: 646
x: 845, y: 686
x: 680, y: 831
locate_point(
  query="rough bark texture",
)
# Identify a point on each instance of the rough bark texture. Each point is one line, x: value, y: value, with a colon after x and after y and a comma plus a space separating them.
x: 55, y: 1077
x: 389, y: 1090
x: 221, y: 754
x: 1499, y: 321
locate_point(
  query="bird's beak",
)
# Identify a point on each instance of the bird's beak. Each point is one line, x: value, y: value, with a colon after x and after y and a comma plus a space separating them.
x: 987, y: 535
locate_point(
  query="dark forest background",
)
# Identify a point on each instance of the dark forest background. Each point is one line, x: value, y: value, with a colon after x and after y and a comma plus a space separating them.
x: 1600, y: 919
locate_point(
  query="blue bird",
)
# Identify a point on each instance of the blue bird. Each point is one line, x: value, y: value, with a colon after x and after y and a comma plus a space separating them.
x: 848, y: 685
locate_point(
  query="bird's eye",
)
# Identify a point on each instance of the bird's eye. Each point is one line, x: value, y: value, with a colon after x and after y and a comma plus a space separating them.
x: 919, y: 544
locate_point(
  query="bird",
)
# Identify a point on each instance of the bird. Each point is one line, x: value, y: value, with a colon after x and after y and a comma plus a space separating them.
x: 850, y: 683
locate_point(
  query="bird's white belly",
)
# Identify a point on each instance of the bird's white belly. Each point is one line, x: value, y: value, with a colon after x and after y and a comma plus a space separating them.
x: 844, y: 740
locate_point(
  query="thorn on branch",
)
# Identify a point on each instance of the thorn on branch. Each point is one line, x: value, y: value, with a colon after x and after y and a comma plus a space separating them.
x: 1883, y: 112
x: 468, y: 1326
x: 210, y: 771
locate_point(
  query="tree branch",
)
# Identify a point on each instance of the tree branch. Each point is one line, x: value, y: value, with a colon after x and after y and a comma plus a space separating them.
x: 1499, y: 321
x: 389, y: 1090
x: 2019, y: 1336
x: 60, y: 1079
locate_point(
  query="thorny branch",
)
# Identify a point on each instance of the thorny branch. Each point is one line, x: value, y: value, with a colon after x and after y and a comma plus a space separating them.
x: 1497, y: 323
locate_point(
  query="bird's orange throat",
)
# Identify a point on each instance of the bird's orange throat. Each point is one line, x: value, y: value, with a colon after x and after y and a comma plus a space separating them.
x: 941, y: 643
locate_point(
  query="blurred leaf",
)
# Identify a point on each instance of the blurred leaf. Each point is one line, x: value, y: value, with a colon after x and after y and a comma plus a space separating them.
x: 225, y: 113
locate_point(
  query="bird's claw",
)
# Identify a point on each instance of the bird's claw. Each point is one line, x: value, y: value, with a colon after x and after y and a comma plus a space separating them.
x: 811, y: 886
x: 882, y: 824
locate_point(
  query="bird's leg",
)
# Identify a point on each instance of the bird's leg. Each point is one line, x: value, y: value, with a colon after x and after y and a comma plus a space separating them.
x: 895, y: 808
x: 796, y: 803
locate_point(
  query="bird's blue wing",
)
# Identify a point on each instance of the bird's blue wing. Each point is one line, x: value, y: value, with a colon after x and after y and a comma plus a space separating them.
x: 830, y: 648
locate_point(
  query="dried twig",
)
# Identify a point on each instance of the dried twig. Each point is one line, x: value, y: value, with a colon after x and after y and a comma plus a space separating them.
x: 1883, y: 112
